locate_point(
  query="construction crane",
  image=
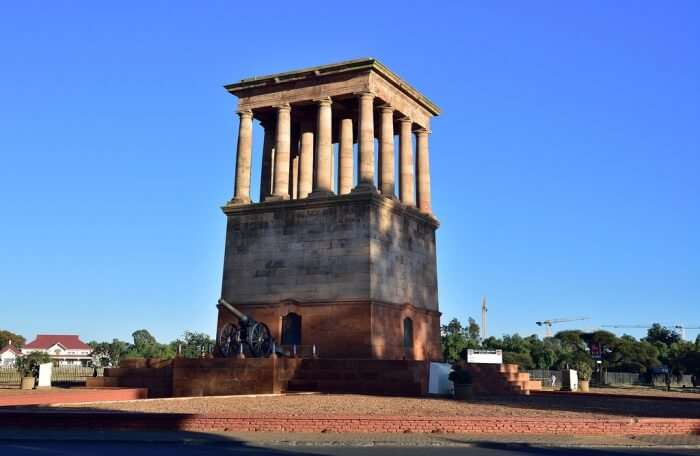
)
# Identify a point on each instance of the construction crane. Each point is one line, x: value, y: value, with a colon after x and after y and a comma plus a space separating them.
x: 484, y: 309
x: 548, y: 323
x: 680, y: 329
x: 626, y: 326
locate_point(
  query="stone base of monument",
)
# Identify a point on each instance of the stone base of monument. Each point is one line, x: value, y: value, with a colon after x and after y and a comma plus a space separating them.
x: 182, y: 377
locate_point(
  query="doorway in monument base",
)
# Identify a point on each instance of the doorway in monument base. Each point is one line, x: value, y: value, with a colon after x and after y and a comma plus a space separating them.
x: 291, y: 329
x: 408, y: 338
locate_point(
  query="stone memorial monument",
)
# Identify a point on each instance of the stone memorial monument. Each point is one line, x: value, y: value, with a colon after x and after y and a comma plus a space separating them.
x: 335, y: 252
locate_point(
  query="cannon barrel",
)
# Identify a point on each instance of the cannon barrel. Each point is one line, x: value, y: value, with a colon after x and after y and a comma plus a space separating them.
x: 242, y: 317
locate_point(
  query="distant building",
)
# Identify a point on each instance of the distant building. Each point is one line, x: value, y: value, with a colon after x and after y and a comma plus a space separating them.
x: 64, y: 349
x: 8, y: 355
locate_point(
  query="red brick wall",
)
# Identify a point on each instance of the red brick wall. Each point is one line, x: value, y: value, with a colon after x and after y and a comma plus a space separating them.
x: 351, y: 329
x: 221, y: 376
x: 350, y: 423
x: 387, y: 332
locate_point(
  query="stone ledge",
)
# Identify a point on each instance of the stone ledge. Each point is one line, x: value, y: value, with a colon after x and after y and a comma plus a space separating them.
x: 316, y: 203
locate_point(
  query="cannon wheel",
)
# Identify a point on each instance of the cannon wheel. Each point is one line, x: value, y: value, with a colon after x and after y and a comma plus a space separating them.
x: 259, y: 340
x: 229, y: 340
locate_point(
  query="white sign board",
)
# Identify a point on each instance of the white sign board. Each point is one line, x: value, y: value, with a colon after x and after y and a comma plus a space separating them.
x: 437, y: 379
x: 485, y: 356
x: 45, y: 374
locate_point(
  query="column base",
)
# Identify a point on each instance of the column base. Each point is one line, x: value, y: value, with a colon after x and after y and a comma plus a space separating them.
x: 239, y: 201
x: 365, y: 187
x: 277, y: 198
x: 321, y: 194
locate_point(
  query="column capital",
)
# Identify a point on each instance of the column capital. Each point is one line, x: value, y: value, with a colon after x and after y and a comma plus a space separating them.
x: 422, y: 131
x: 244, y: 113
x: 386, y: 107
x: 405, y: 119
x: 365, y: 95
x: 324, y: 101
x: 284, y: 107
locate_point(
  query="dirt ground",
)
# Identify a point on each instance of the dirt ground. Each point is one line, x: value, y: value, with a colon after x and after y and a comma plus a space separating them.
x: 340, y: 404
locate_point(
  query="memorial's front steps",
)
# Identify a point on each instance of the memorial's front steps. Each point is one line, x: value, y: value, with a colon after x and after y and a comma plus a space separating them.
x: 501, y: 379
x: 360, y: 376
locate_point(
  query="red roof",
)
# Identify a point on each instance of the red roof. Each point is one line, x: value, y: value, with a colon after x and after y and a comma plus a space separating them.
x: 69, y: 341
x: 10, y: 348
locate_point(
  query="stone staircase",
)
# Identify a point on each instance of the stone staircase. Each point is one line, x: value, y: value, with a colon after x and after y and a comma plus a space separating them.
x: 501, y: 379
x: 396, y: 378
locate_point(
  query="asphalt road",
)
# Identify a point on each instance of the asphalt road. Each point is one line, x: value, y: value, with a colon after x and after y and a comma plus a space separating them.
x: 58, y: 448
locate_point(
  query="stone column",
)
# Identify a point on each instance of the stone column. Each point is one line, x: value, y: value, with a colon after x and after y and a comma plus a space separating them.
x: 323, y: 182
x: 306, y: 159
x: 422, y: 171
x: 406, y: 167
x: 241, y: 193
x: 366, y: 143
x: 282, y: 145
x: 266, y: 171
x: 386, y: 152
x: 345, y: 171
x: 294, y: 166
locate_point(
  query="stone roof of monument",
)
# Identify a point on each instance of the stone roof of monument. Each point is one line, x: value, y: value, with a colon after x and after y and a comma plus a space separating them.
x: 357, y: 65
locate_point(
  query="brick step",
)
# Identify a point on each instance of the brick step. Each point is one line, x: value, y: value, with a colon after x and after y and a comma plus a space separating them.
x: 501, y: 379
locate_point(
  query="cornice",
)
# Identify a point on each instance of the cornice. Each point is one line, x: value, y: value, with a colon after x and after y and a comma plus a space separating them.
x: 349, y: 66
x: 373, y: 198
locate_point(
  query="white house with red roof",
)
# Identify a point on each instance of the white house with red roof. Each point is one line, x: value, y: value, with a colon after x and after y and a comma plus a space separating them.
x: 64, y: 349
x: 8, y: 355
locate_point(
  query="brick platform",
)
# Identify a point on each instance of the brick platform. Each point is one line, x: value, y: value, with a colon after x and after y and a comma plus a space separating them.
x: 346, y: 424
x: 181, y: 377
x: 70, y: 396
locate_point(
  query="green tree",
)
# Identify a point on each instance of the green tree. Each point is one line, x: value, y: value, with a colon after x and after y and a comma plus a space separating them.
x: 28, y: 365
x: 473, y: 330
x: 7, y: 336
x: 108, y: 354
x: 146, y: 346
x: 661, y: 334
x: 193, y: 344
x: 456, y: 339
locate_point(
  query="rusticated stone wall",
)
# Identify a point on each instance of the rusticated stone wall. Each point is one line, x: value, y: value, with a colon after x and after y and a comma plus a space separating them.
x: 355, y: 247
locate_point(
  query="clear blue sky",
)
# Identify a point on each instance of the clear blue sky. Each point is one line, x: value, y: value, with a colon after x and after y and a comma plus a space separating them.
x: 565, y: 166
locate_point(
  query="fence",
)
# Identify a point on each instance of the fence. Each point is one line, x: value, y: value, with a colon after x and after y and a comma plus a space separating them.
x: 613, y: 378
x: 73, y: 375
x: 628, y: 378
x: 545, y: 376
x: 9, y: 377
x: 60, y: 376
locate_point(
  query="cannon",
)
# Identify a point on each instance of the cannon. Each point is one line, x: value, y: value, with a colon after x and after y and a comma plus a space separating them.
x: 251, y: 337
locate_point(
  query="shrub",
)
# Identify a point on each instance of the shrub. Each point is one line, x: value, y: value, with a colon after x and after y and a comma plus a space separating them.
x: 584, y: 370
x: 28, y: 365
